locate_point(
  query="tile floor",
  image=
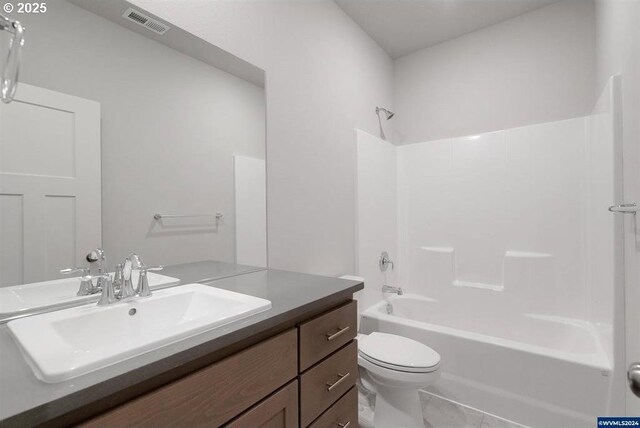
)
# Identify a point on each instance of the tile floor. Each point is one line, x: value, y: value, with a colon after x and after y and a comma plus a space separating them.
x: 442, y: 413
x: 439, y: 412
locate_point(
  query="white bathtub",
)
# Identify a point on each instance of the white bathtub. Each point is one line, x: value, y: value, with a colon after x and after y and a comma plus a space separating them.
x: 536, y: 370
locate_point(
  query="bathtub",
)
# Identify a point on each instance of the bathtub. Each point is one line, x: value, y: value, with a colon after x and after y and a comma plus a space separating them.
x: 537, y: 370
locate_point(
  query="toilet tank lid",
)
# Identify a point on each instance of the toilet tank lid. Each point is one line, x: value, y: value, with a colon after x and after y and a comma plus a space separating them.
x: 398, y: 350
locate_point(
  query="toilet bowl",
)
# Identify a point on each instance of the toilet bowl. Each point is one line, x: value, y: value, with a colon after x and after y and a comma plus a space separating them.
x: 395, y: 368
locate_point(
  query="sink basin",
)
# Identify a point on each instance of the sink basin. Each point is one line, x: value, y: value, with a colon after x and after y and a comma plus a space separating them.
x: 67, y: 343
x: 59, y: 292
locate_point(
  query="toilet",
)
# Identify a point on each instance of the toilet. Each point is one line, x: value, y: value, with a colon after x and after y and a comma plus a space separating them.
x: 395, y: 368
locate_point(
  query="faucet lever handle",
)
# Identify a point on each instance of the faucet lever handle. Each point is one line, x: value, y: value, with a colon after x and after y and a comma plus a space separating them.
x: 108, y: 293
x: 143, y: 289
x: 86, y: 284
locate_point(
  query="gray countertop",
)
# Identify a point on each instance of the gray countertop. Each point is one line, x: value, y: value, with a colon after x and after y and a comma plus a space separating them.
x: 27, y: 401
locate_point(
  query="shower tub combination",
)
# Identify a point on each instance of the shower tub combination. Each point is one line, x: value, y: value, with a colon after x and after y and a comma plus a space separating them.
x: 537, y: 370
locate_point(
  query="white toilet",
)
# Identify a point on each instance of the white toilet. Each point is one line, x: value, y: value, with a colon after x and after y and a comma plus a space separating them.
x: 395, y: 368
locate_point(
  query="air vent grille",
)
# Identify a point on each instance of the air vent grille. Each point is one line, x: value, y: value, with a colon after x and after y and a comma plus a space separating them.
x: 145, y: 21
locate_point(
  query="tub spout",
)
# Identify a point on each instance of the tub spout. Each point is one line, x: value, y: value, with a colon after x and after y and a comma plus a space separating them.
x: 390, y: 289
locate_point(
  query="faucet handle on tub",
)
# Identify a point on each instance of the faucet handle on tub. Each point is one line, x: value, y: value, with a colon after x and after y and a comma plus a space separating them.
x: 384, y: 262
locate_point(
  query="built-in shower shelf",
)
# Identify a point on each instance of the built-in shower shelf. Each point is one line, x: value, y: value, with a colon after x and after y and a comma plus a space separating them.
x: 519, y: 269
x: 494, y: 287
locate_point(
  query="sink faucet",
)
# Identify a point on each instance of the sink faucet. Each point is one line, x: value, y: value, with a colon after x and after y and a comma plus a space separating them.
x: 86, y: 282
x: 390, y: 289
x: 123, y: 281
x: 143, y: 283
x: 108, y: 293
x: 98, y: 255
x: 131, y: 262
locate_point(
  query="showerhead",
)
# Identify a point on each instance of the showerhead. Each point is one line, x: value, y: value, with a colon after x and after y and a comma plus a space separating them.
x: 387, y: 113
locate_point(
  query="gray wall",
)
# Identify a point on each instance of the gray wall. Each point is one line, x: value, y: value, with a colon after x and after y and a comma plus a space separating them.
x: 537, y: 67
x: 170, y: 126
x: 324, y: 77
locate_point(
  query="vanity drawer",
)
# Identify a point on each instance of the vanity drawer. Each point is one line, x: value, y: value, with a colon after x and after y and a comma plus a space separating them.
x: 326, y: 333
x: 215, y: 394
x: 323, y: 384
x: 344, y: 413
x: 278, y: 411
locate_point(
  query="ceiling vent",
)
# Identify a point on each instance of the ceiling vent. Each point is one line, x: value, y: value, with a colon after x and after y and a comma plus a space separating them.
x: 145, y: 21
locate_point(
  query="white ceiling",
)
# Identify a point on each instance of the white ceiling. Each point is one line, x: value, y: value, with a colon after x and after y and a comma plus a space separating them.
x: 405, y: 26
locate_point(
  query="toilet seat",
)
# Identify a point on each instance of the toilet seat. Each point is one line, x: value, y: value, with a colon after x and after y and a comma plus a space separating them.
x: 398, y: 353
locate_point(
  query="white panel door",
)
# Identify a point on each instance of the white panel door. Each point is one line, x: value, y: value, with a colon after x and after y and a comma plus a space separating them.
x: 50, y: 213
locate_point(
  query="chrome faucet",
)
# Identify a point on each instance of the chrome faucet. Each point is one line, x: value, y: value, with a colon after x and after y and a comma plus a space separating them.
x: 390, y: 289
x: 143, y: 283
x: 86, y: 281
x: 108, y: 293
x: 121, y: 288
x: 118, y: 279
x: 98, y: 255
x: 384, y: 262
x: 130, y: 263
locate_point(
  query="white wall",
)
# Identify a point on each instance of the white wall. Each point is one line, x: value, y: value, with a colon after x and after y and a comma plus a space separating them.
x: 377, y: 222
x: 251, y: 210
x: 324, y: 77
x: 618, y: 47
x: 170, y: 127
x: 537, y: 67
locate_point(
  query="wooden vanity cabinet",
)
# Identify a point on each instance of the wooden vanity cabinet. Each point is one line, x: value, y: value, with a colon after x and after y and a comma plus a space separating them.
x: 302, y: 377
x: 277, y: 411
x: 215, y: 394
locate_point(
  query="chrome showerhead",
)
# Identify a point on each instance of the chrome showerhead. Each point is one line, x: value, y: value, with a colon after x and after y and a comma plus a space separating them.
x: 387, y: 113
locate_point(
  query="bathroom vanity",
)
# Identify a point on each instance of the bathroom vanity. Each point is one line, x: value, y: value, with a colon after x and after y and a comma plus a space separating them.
x: 294, y: 365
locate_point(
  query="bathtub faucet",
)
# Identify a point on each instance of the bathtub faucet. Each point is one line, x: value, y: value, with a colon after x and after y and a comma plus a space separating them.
x: 390, y: 289
x: 384, y: 262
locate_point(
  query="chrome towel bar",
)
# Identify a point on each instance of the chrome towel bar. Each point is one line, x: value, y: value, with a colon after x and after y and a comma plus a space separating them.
x: 631, y: 208
x: 157, y: 216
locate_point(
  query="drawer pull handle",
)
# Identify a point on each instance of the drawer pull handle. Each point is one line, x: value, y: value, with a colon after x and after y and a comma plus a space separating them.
x: 337, y: 333
x: 344, y: 425
x: 331, y: 386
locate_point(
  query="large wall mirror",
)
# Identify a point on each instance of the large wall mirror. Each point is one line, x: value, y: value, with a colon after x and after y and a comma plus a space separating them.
x: 132, y: 135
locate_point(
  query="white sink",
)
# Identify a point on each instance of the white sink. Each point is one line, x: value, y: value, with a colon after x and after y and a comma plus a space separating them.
x: 67, y: 343
x: 50, y: 294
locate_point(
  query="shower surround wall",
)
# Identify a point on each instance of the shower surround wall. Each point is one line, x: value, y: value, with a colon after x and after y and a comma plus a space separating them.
x: 376, y: 214
x: 506, y: 251
x: 513, y: 221
x: 498, y: 219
